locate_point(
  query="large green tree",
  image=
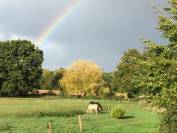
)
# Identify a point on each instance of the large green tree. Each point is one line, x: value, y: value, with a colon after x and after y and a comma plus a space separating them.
x: 159, y: 73
x: 20, y: 67
x: 125, y: 71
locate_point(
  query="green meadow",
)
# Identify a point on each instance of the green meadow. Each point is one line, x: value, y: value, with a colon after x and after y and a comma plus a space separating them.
x: 32, y: 115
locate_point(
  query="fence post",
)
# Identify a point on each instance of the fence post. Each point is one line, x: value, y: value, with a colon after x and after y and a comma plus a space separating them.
x: 80, y: 123
x: 50, y: 127
x: 108, y: 108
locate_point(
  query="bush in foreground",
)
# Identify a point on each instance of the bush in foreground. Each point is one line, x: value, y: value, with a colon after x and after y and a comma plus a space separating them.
x: 118, y: 112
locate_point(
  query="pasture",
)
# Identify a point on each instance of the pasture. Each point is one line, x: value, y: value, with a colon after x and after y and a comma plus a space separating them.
x: 31, y: 115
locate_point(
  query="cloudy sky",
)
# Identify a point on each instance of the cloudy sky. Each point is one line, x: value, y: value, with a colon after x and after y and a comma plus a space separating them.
x: 97, y: 30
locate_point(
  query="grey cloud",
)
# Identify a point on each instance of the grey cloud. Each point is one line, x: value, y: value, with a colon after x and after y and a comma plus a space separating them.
x: 98, y: 30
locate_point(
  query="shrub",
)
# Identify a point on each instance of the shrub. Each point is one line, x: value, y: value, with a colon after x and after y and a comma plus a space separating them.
x: 118, y: 112
x: 169, y: 122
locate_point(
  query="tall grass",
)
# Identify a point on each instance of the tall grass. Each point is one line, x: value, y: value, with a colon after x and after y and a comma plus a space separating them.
x: 41, y: 108
x: 27, y: 115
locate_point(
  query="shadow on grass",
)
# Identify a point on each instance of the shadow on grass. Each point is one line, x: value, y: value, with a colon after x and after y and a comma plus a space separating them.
x: 127, y: 117
x: 103, y: 112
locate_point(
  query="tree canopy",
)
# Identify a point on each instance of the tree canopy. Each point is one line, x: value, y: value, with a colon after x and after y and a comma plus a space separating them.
x: 125, y: 71
x: 159, y: 73
x: 20, y: 67
x: 82, y: 77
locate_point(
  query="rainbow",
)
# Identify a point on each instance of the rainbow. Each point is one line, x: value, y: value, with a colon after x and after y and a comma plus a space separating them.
x: 67, y: 10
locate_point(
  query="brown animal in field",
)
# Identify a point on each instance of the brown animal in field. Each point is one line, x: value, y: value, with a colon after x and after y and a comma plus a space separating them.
x: 123, y: 95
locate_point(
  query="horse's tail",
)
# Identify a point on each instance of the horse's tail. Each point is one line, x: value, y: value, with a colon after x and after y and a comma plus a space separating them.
x: 99, y: 106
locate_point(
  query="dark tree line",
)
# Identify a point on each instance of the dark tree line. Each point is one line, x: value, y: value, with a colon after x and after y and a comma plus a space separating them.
x: 50, y: 79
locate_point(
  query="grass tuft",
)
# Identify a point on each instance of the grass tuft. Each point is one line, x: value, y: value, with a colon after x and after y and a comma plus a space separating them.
x: 4, y: 126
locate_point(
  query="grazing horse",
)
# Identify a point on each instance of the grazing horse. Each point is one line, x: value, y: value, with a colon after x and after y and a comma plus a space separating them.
x: 94, y: 107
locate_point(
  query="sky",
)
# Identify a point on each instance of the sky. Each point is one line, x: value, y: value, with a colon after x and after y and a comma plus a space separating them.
x: 96, y: 30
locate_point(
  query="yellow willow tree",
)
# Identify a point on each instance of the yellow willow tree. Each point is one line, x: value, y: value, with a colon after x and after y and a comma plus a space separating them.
x: 82, y: 78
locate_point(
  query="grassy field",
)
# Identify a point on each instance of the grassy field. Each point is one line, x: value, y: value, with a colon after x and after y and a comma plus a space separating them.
x: 19, y: 115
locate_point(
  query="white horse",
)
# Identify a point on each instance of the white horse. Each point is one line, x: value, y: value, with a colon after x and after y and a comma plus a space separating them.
x: 94, y: 107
